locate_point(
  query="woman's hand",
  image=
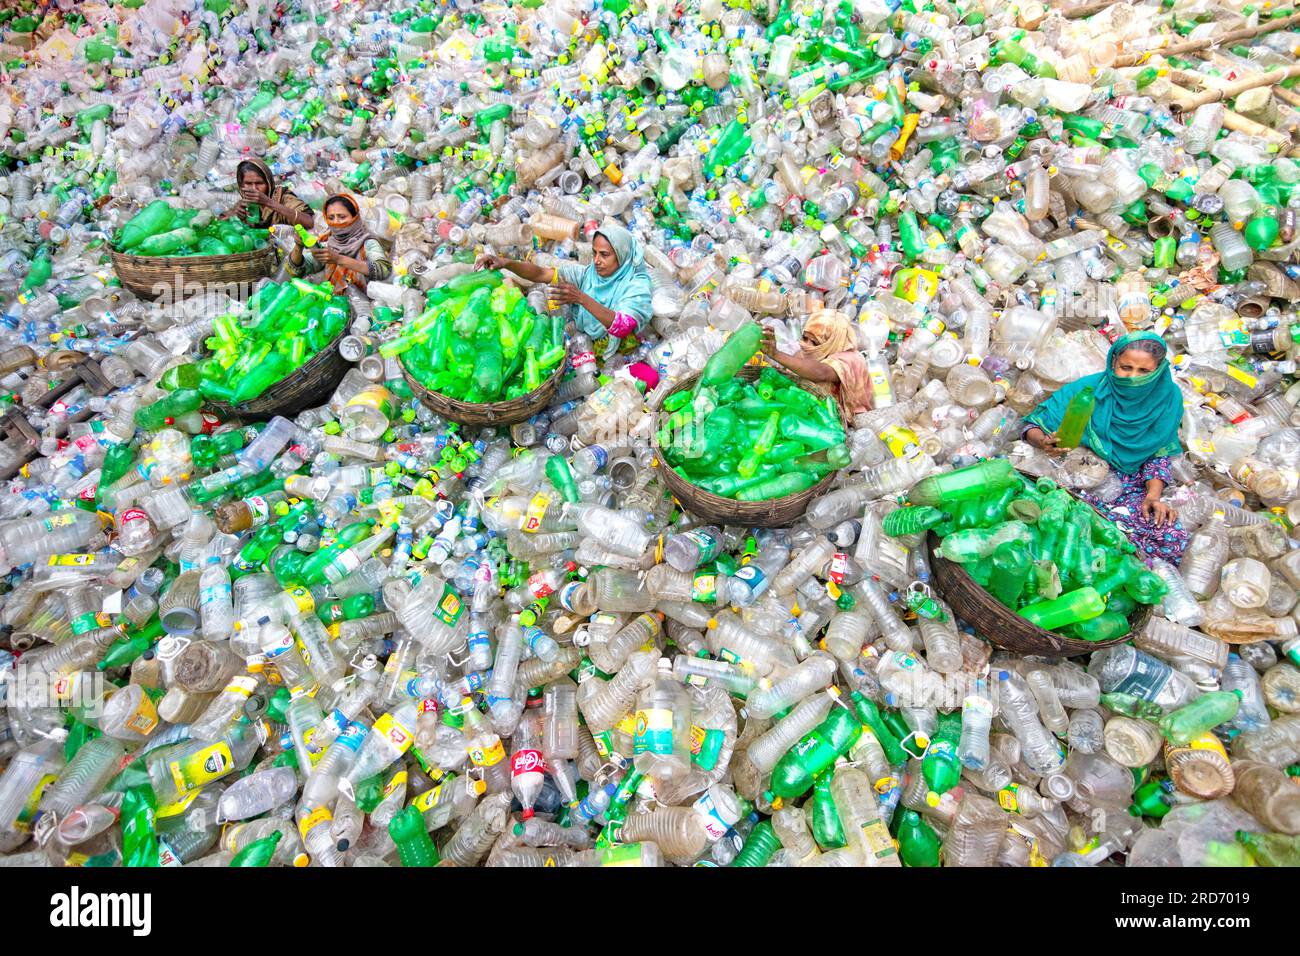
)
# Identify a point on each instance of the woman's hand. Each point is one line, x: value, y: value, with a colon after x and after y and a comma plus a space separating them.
x: 1046, y: 441
x: 491, y: 262
x: 566, y: 293
x: 325, y: 255
x: 1157, y: 512
x: 768, y: 343
x: 252, y: 195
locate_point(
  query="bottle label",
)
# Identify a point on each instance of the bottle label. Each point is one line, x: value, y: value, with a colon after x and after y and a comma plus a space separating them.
x: 166, y: 855
x: 536, y: 509
x: 527, y: 761
x: 303, y: 599
x: 752, y: 575
x: 145, y: 717
x: 839, y: 565
x: 625, y: 854
x: 877, y: 840
x: 62, y: 520
x: 716, y: 824
x: 398, y: 734
x: 488, y: 756
x: 901, y: 441
x: 705, y: 746
x: 314, y: 819
x: 202, y: 766
x: 396, y: 780
x: 1008, y: 798
x: 582, y: 359
x: 654, y: 731
x: 23, y: 822
x: 539, y: 586
x: 704, y: 586
x: 567, y: 594
x: 707, y: 544
x: 260, y: 509
x: 428, y: 800
x: 450, y: 607
x: 1147, y: 678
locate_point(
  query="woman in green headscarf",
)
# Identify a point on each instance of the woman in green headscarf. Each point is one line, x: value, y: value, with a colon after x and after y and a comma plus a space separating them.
x: 612, y: 294
x: 1134, y: 427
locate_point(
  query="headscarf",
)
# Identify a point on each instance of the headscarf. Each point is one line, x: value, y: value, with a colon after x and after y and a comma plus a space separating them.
x: 1133, y: 419
x: 277, y: 193
x: 628, y: 290
x: 349, y: 240
x: 837, y: 347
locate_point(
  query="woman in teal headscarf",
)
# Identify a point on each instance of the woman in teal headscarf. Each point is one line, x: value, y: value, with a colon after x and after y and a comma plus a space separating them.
x: 1134, y: 427
x: 612, y: 294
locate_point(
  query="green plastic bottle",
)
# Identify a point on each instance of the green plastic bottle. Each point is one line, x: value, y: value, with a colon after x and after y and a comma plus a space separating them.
x: 1200, y: 716
x: 796, y: 772
x: 259, y: 852
x: 826, y: 827
x: 1075, y: 420
x: 1072, y: 607
x: 973, y: 481
x: 1271, y: 849
x: 918, y: 844
x: 414, y: 845
x: 759, y: 848
x: 738, y: 349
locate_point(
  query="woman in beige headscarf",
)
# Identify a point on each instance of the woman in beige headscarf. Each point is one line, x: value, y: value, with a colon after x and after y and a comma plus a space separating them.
x: 828, y: 354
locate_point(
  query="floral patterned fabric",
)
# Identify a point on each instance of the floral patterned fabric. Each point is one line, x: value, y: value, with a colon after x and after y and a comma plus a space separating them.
x: 1152, y: 541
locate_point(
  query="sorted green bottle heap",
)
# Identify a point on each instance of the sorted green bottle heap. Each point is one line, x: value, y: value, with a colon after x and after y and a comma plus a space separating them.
x: 478, y: 340
x: 284, y: 325
x: 160, y: 230
x: 751, y: 441
x: 1044, y: 554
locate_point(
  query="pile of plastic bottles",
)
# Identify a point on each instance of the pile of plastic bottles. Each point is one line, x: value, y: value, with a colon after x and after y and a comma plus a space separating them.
x: 160, y: 230
x: 480, y: 341
x: 363, y: 635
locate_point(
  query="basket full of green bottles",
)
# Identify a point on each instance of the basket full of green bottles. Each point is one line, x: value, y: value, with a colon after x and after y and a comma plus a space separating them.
x: 745, y: 445
x: 163, y: 248
x: 478, y: 354
x: 1032, y: 568
x: 277, y: 353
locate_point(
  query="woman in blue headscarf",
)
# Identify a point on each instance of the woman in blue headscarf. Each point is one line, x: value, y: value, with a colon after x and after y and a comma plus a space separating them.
x: 1134, y: 427
x: 611, y: 295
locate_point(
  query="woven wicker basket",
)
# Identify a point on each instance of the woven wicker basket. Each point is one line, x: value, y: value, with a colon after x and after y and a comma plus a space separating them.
x: 151, y: 276
x: 1003, y: 627
x: 774, y: 513
x: 310, y: 386
x: 490, y: 413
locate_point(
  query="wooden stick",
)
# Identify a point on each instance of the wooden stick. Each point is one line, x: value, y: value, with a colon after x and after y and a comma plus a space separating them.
x: 1187, y: 101
x: 1087, y: 9
x: 1160, y: 46
x: 1287, y: 96
x: 1226, y: 91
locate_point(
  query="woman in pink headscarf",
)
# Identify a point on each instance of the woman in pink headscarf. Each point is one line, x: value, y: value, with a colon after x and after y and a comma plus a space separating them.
x: 828, y: 354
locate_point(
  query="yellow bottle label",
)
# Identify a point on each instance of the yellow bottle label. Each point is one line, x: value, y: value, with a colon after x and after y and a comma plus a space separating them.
x: 395, y: 781
x: 398, y: 734
x: 878, y: 841
x: 536, y: 509
x: 202, y: 766
x: 145, y: 717
x: 488, y: 756
x: 176, y: 806
x: 314, y: 819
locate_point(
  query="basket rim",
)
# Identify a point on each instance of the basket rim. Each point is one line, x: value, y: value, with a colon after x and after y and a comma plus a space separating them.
x: 717, y: 502
x: 1065, y: 643
x: 169, y: 261
x: 327, y: 353
x: 457, y: 403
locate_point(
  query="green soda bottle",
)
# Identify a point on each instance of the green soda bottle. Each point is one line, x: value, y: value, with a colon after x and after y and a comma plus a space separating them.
x: 414, y: 845
x: 826, y: 827
x: 1103, y: 627
x: 1009, y: 568
x: 259, y: 852
x: 759, y: 848
x: 739, y: 348
x: 1074, y: 606
x: 1271, y: 849
x: 795, y: 773
x: 161, y: 413
x: 941, y: 766
x: 1200, y: 716
x: 918, y: 844
x: 557, y: 470
x: 905, y: 521
x: 973, y: 481
x: 1075, y: 420
x: 870, y: 715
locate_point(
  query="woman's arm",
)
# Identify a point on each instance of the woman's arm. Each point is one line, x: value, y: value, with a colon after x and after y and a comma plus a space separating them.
x: 800, y: 364
x: 1044, y: 440
x: 525, y: 270
x: 1154, y: 474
